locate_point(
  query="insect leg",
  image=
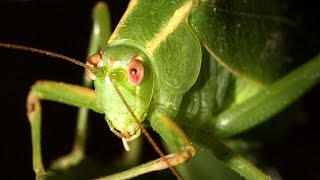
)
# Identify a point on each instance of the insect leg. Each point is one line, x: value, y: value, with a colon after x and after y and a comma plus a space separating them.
x: 231, y: 159
x: 100, y: 33
x: 175, y: 137
x: 59, y: 92
x: 268, y: 102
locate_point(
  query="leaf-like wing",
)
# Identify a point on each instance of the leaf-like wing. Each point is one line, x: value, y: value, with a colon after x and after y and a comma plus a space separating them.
x: 247, y: 37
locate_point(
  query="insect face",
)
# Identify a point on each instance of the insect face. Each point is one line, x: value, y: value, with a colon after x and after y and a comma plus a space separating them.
x: 129, y: 69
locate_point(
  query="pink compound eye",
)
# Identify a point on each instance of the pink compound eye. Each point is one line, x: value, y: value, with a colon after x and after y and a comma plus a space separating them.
x: 135, y: 71
x: 93, y: 61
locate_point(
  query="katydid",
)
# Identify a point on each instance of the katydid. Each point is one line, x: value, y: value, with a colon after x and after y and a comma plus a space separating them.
x: 156, y: 68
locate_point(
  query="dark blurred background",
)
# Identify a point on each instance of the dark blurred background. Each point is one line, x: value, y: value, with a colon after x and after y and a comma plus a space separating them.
x: 64, y: 27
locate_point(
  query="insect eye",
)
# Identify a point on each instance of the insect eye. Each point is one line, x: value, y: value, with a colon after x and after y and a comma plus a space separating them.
x: 94, y: 61
x: 135, y: 71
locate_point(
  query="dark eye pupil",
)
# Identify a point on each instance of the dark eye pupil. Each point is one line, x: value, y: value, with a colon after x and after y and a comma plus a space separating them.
x: 133, y: 71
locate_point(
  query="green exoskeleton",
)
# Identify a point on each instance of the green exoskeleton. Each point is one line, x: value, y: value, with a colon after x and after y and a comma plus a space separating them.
x: 190, y: 69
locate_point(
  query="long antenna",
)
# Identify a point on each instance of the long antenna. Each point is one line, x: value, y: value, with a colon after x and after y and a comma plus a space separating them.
x: 49, y: 53
x: 145, y: 132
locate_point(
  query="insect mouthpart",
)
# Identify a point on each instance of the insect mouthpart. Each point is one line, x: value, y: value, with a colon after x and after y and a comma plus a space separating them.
x: 126, y: 137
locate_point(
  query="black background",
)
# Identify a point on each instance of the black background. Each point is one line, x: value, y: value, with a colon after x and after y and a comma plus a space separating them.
x: 64, y: 27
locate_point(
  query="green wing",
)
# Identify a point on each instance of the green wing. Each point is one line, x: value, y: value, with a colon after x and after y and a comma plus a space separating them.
x: 246, y: 37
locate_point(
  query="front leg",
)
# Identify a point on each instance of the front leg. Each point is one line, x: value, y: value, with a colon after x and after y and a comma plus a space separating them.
x: 59, y: 92
x: 182, y: 145
x: 100, y: 32
x: 174, y: 136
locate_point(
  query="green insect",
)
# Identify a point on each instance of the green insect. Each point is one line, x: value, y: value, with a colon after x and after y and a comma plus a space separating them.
x: 191, y: 70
